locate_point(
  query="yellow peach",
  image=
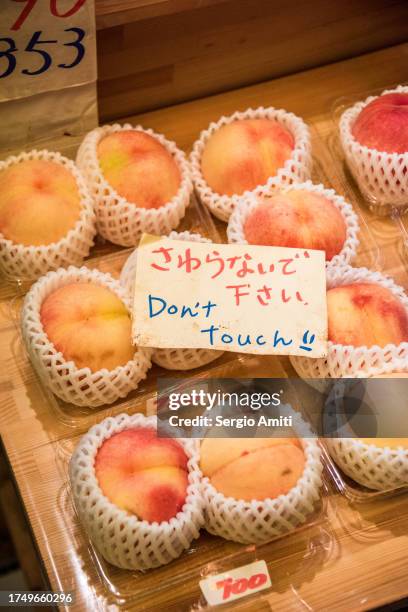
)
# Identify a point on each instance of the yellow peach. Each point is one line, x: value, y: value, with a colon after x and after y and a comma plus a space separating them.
x: 252, y: 469
x: 89, y: 325
x: 244, y: 154
x: 139, y: 168
x: 39, y: 202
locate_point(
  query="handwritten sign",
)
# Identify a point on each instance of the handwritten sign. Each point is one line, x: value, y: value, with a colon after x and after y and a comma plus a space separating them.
x: 44, y: 43
x: 252, y: 299
x: 239, y: 582
x: 47, y: 70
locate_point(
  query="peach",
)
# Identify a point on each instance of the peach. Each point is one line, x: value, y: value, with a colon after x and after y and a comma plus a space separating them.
x: 139, y: 168
x: 297, y: 218
x: 142, y: 474
x: 365, y: 314
x: 89, y: 325
x: 383, y: 124
x: 244, y: 154
x: 215, y: 455
x: 39, y: 202
x: 250, y: 469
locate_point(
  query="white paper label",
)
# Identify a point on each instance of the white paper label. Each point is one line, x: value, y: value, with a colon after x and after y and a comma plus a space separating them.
x: 237, y: 583
x: 233, y: 297
x: 45, y: 45
x: 47, y: 74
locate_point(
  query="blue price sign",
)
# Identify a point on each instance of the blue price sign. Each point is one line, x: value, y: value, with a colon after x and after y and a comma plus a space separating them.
x: 45, y: 45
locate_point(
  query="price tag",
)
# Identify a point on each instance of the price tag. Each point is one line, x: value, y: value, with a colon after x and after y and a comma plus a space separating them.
x: 46, y: 46
x: 233, y: 297
x: 237, y: 583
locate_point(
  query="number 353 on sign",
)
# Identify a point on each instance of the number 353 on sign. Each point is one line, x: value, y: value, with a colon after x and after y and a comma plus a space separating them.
x: 45, y: 44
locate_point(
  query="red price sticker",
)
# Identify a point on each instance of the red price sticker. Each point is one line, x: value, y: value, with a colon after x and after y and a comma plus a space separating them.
x: 54, y: 6
x: 45, y: 45
x: 239, y: 582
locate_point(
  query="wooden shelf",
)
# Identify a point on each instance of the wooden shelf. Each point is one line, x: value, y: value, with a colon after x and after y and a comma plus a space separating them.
x: 110, y: 13
x: 156, y: 53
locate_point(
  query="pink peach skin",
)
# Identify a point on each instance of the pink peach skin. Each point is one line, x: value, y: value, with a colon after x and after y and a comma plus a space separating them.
x: 89, y: 325
x: 365, y: 314
x: 297, y: 218
x: 142, y: 474
x: 244, y: 154
x: 252, y: 471
x: 383, y: 124
x: 39, y: 202
x: 139, y: 168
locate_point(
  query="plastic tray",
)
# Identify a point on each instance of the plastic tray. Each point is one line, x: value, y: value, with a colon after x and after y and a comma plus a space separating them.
x: 208, y: 554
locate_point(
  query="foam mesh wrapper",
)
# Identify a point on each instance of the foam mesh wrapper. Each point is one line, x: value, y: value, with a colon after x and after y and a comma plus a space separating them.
x: 246, y: 205
x: 296, y: 169
x: 381, y: 176
x: 118, y: 220
x: 120, y: 537
x: 79, y: 386
x: 27, y: 263
x: 350, y: 361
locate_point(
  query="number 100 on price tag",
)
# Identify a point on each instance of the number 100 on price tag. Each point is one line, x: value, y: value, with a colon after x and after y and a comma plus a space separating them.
x: 234, y: 584
x: 45, y: 45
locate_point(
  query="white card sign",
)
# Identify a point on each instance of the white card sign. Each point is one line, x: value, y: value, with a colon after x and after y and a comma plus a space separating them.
x: 47, y: 73
x: 234, y: 584
x: 234, y: 297
x: 44, y: 45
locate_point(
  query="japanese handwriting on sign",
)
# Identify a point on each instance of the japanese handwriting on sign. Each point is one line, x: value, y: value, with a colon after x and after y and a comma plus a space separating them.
x: 244, y: 298
x: 265, y: 295
x: 242, y: 265
x: 41, y: 45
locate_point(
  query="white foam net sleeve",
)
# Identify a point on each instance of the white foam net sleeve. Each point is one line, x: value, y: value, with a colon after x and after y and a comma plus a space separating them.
x: 120, y: 537
x: 118, y: 220
x: 27, y: 263
x: 381, y: 176
x: 257, y: 522
x: 369, y: 465
x: 353, y: 361
x: 236, y: 223
x: 296, y: 169
x: 79, y: 386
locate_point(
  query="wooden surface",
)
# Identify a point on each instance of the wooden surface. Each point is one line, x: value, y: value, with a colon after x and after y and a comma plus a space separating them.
x: 156, y: 53
x: 354, y: 559
x: 110, y: 13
